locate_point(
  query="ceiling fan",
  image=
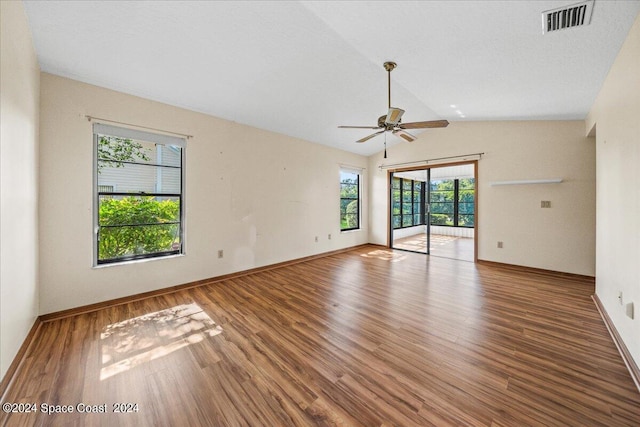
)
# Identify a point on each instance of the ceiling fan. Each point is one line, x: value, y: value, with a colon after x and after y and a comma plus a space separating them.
x: 391, y: 121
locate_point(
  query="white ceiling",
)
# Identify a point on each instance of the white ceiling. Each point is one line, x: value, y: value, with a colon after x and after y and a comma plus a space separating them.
x: 303, y: 68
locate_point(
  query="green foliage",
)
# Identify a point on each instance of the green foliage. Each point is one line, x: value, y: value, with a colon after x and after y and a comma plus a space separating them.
x: 348, y: 214
x: 137, y: 225
x: 112, y: 151
x: 349, y: 190
x: 442, y: 201
x: 352, y: 214
x: 441, y: 219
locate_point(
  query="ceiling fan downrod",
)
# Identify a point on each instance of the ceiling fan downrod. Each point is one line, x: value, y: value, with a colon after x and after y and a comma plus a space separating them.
x: 389, y: 66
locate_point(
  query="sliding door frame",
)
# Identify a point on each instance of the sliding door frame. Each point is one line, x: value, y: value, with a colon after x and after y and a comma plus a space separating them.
x: 390, y: 173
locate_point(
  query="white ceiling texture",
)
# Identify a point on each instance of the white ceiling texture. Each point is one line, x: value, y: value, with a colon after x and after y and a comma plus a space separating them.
x: 303, y: 68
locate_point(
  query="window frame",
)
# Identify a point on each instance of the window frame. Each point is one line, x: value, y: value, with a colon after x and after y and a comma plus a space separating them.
x: 455, y: 203
x: 358, y: 198
x: 148, y: 137
x: 422, y: 201
x: 421, y: 213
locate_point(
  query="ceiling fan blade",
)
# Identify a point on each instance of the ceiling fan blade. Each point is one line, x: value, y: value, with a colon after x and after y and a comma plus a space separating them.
x: 393, y: 116
x: 404, y: 135
x: 424, y: 125
x: 366, y: 138
x: 359, y: 127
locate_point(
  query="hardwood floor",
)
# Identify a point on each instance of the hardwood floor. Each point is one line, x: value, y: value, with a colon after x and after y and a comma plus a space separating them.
x: 460, y: 248
x: 369, y: 337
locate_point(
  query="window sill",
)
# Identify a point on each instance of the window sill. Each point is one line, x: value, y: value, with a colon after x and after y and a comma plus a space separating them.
x: 350, y: 231
x: 135, y: 261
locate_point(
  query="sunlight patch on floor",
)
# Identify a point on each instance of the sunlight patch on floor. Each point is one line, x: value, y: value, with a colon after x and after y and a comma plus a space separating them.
x: 385, y: 255
x: 136, y: 341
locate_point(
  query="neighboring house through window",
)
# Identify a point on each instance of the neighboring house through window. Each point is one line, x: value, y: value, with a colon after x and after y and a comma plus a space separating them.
x: 139, y: 194
x: 349, y: 199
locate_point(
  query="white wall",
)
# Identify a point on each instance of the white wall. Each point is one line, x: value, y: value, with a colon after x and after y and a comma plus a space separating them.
x: 561, y: 238
x: 261, y: 197
x: 616, y: 117
x: 19, y: 89
x: 409, y: 231
x: 453, y: 231
x: 435, y: 229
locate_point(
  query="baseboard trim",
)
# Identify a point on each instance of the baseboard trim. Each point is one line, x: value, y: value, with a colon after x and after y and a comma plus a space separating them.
x: 533, y: 270
x: 171, y: 289
x: 9, y: 376
x: 617, y: 340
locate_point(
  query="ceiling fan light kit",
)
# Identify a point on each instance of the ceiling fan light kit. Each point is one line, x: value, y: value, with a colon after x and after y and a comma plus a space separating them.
x: 391, y: 122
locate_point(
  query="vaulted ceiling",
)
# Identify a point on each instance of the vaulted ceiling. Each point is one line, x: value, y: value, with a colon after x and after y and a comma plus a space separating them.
x: 303, y: 68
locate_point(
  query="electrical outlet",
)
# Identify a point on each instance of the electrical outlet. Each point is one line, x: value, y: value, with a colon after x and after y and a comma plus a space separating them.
x: 500, y: 244
x: 620, y: 297
x: 316, y: 239
x: 545, y: 204
x: 329, y: 237
x: 220, y: 253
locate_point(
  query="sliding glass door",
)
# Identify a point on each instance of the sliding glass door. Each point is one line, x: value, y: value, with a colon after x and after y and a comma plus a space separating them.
x: 409, y: 198
x: 433, y: 211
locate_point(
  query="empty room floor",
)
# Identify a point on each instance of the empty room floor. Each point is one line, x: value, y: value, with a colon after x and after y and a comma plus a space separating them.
x: 367, y: 337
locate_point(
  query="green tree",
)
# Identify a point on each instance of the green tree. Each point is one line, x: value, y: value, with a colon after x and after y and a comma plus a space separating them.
x: 442, y: 200
x: 133, y: 225
x: 351, y: 216
x: 112, y: 151
x: 125, y: 226
x: 349, y: 202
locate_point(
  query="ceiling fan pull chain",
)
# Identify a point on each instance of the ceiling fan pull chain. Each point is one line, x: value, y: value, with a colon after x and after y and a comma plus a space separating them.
x: 385, y: 145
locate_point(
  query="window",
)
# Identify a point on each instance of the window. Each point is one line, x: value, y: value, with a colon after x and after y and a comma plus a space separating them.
x: 465, y: 213
x: 139, y: 197
x: 407, y: 198
x: 453, y: 202
x: 349, y: 200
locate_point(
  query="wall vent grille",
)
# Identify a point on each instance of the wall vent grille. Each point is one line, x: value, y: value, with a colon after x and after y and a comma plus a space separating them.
x: 575, y: 15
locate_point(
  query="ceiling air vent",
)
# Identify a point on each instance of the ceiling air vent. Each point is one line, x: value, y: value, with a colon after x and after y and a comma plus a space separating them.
x: 576, y: 15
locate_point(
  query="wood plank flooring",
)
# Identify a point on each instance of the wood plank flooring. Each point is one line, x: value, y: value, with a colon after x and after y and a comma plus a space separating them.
x: 370, y: 337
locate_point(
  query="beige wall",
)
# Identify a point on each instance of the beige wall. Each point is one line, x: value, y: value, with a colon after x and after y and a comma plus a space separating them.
x: 261, y: 197
x: 19, y: 89
x: 615, y: 117
x: 561, y: 238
